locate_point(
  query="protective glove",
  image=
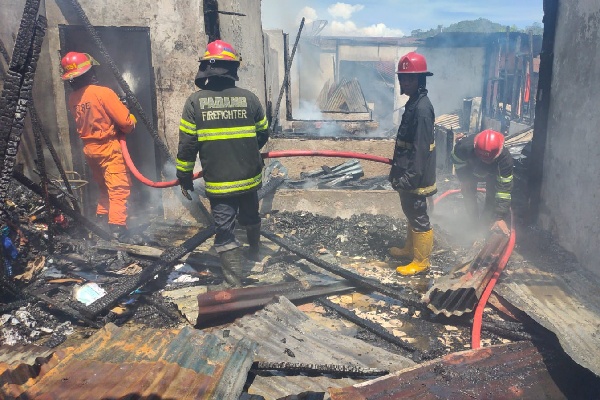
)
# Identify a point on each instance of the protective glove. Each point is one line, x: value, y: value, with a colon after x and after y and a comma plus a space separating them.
x: 133, y: 119
x: 400, y: 183
x: 501, y: 226
x: 185, y: 181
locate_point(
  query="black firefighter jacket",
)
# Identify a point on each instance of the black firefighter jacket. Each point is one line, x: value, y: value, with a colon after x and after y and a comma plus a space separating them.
x: 499, y: 173
x: 226, y: 126
x: 414, y: 163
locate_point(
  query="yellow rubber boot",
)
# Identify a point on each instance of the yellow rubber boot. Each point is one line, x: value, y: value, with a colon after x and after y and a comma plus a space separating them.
x: 407, y: 250
x: 423, y: 244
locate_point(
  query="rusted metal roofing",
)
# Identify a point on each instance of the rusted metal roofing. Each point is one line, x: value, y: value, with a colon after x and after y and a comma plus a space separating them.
x: 22, y: 354
x: 514, y: 371
x: 17, y: 367
x: 149, y: 363
x: 215, y: 304
x: 559, y: 295
x: 285, y: 334
x: 459, y: 291
x: 448, y: 121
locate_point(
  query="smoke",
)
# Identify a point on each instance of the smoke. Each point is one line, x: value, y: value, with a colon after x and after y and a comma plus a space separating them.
x: 308, y: 111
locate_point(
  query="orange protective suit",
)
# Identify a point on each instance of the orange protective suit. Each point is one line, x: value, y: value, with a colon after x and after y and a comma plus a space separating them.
x: 99, y: 115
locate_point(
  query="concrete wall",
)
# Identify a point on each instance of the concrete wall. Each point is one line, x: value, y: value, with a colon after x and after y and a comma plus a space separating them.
x: 458, y: 74
x: 177, y: 39
x: 246, y: 35
x: 274, y: 45
x: 571, y: 182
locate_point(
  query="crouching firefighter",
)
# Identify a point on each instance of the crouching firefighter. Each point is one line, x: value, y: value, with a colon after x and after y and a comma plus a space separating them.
x: 483, y: 158
x: 413, y: 171
x: 226, y: 126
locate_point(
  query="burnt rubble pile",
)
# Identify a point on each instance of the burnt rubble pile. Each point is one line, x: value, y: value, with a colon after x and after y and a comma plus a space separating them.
x: 49, y: 263
x: 363, y: 235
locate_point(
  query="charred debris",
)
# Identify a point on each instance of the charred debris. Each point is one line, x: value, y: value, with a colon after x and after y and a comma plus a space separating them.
x: 324, y: 286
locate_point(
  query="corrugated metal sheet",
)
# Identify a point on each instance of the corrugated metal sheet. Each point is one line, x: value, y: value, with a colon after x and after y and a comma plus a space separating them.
x: 282, y: 331
x: 347, y: 96
x: 514, y: 371
x: 17, y: 367
x: 22, y: 354
x: 521, y: 138
x: 459, y: 291
x: 448, y: 121
x: 560, y: 297
x: 186, y: 300
x: 169, y: 364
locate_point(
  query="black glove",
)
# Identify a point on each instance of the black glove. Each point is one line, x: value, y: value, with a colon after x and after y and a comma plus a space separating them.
x: 400, y: 183
x: 185, y: 181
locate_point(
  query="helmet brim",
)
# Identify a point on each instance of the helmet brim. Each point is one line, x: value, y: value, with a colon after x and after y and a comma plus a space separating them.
x: 67, y: 76
x: 427, y: 73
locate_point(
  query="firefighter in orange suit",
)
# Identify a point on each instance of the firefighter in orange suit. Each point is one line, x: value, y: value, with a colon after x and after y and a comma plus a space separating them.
x: 99, y: 116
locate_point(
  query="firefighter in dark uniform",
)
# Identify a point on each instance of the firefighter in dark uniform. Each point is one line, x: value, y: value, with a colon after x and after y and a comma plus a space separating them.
x: 413, y: 166
x: 483, y: 158
x: 226, y: 126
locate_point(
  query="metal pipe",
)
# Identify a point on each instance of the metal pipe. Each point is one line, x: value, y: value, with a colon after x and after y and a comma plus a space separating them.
x: 360, y: 281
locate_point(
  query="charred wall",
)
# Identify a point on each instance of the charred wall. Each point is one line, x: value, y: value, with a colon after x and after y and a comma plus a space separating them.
x: 177, y: 36
x: 570, y: 181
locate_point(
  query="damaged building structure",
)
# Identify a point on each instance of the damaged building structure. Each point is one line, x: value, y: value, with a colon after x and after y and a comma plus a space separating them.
x: 323, y: 314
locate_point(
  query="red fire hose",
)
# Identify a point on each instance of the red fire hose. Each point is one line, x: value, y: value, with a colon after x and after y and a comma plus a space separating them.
x: 476, y: 332
x: 271, y: 154
x: 502, y: 261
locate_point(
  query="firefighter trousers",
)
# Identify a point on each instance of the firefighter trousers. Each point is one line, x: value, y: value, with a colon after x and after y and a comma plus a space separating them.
x: 225, y: 210
x: 414, y: 207
x: 109, y: 171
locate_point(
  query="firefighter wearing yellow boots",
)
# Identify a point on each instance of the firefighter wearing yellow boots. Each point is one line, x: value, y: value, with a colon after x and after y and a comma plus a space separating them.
x: 413, y: 171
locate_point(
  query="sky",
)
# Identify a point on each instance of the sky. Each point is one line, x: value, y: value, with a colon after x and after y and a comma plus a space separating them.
x: 395, y: 17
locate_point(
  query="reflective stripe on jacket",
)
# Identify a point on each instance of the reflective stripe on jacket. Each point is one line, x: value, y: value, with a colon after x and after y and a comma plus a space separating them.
x: 226, y: 127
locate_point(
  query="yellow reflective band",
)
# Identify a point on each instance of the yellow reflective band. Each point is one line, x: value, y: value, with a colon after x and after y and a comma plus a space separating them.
x: 230, y: 187
x: 226, y: 133
x: 503, y: 196
x: 262, y: 125
x: 423, y: 191
x: 187, y: 127
x: 457, y: 160
x: 508, y: 179
x: 184, y: 166
x: 187, y: 124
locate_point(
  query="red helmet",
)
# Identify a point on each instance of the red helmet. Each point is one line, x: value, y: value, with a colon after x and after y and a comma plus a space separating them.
x: 220, y: 50
x: 76, y: 64
x: 413, y: 63
x: 488, y: 145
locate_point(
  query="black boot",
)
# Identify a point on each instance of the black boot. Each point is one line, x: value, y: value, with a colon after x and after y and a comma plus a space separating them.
x: 102, y: 221
x: 119, y: 232
x: 231, y: 265
x: 253, y: 235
